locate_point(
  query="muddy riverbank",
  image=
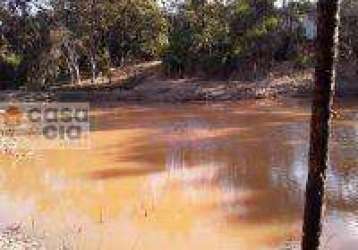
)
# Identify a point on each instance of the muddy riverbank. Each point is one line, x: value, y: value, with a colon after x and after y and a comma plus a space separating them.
x: 181, y: 90
x: 176, y: 91
x: 146, y: 83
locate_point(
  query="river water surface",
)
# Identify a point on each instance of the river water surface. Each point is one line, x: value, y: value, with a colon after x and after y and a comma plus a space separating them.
x: 189, y: 176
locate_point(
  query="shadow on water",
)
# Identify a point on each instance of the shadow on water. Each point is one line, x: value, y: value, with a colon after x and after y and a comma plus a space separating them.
x: 261, y: 150
x: 237, y: 156
x: 233, y: 165
x: 121, y: 173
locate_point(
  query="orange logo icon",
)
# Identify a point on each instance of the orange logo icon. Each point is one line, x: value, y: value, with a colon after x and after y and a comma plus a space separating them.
x: 13, y: 116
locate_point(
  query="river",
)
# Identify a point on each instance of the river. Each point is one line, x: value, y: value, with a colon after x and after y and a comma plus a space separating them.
x: 185, y: 176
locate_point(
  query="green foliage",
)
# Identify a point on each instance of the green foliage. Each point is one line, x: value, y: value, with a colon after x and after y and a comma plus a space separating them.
x: 13, y: 60
x: 303, y: 61
x: 135, y: 30
x: 80, y: 35
x: 219, y: 36
x: 349, y: 33
x: 198, y: 39
x: 9, y: 64
x: 74, y: 38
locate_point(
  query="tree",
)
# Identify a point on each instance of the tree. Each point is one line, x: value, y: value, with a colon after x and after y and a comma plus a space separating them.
x: 104, y: 33
x: 29, y: 42
x: 221, y: 36
x: 326, y: 52
x: 349, y: 36
x: 135, y: 30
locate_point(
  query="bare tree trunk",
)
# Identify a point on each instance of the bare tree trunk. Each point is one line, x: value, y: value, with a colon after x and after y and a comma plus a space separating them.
x: 72, y: 63
x: 93, y: 42
x: 77, y: 72
x: 109, y: 65
x: 326, y: 52
x: 70, y: 71
x: 93, y: 68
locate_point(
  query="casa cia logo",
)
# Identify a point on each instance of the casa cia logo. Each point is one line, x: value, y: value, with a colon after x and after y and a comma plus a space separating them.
x: 45, y: 125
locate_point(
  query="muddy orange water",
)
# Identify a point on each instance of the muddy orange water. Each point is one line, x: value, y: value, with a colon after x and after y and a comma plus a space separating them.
x: 188, y: 176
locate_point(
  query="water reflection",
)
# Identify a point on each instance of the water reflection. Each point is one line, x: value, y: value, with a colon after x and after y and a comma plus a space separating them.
x: 194, y: 176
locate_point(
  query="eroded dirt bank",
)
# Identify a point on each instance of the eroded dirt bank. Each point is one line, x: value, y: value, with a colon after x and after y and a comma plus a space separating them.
x: 145, y: 83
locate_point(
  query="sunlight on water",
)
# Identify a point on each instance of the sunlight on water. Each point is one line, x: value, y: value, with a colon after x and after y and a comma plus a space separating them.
x: 193, y: 176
